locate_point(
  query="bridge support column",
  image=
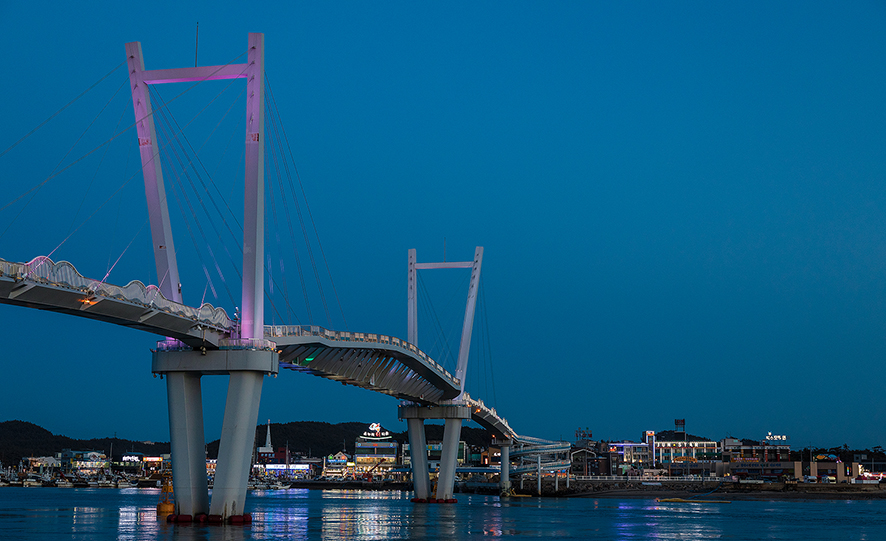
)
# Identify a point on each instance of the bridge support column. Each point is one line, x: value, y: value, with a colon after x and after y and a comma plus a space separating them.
x: 187, y: 443
x: 504, y: 481
x: 448, y: 459
x: 235, y: 447
x: 247, y: 364
x: 453, y: 414
x: 418, y: 452
x: 538, y: 477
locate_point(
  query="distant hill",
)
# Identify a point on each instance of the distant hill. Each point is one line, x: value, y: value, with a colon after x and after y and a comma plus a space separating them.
x: 315, y: 438
x: 673, y: 435
x: 22, y: 439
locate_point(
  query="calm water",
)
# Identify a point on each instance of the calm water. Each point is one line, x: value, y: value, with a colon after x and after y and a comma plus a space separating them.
x: 129, y: 514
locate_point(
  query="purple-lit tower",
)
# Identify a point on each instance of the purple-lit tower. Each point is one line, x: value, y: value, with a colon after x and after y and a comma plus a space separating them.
x: 246, y: 358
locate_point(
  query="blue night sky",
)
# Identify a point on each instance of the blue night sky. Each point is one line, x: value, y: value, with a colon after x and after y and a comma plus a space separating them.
x: 682, y: 205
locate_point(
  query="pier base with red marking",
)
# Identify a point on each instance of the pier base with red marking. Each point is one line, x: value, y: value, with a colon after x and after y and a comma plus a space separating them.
x: 202, y: 518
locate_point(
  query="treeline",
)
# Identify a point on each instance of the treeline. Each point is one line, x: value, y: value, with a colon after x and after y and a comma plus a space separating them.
x: 22, y: 439
x: 312, y: 438
x: 315, y: 438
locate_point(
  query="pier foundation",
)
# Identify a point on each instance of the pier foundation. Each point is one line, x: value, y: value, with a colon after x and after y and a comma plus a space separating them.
x: 187, y: 443
x: 504, y: 479
x: 453, y: 414
x: 247, y: 366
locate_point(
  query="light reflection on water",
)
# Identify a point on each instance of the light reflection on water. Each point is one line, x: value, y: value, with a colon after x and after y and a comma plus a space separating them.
x: 129, y: 515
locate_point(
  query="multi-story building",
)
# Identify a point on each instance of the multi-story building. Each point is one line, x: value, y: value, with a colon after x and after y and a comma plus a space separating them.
x: 629, y: 456
x: 86, y: 462
x: 735, y: 450
x: 681, y: 453
x: 338, y: 465
x: 435, y: 451
x: 375, y: 451
x: 751, y: 459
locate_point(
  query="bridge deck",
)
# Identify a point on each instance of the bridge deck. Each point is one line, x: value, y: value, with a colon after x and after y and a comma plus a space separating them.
x: 376, y: 362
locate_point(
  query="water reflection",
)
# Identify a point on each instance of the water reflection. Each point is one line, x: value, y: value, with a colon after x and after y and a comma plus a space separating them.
x: 48, y: 514
x: 347, y: 515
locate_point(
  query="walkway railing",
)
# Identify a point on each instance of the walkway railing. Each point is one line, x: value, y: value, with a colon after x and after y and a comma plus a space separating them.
x: 649, y: 478
x: 478, y: 407
x: 63, y: 275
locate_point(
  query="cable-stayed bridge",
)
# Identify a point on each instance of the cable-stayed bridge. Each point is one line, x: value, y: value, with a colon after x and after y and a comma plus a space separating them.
x: 203, y: 341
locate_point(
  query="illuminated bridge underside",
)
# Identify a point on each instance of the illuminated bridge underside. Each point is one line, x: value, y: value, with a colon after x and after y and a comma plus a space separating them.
x: 384, y: 368
x: 58, y: 287
x: 380, y: 363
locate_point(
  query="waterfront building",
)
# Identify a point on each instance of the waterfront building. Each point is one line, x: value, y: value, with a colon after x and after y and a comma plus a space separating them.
x: 627, y: 456
x: 85, y: 462
x: 156, y: 464
x: 41, y: 463
x: 589, y: 457
x: 592, y: 460
x: 375, y: 452
x: 131, y: 462
x: 735, y: 450
x: 766, y: 459
x: 671, y: 448
x: 338, y: 465
x: 435, y: 451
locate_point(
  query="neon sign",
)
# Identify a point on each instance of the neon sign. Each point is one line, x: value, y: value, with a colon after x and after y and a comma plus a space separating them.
x: 376, y: 432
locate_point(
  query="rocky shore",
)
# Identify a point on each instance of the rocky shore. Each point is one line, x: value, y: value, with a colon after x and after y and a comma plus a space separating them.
x: 715, y: 491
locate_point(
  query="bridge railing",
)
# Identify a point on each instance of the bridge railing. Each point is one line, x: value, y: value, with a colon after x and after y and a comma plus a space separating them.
x: 63, y: 275
x: 478, y: 405
x: 345, y: 336
x: 648, y: 478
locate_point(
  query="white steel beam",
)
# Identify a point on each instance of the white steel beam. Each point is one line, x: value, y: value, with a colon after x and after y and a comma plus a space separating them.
x: 445, y: 265
x: 412, y: 300
x: 202, y: 73
x: 462, y: 367
x: 155, y: 192
x: 254, y: 195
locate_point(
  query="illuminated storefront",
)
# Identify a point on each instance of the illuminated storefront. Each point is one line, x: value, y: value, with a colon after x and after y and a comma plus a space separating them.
x: 290, y: 471
x: 375, y: 452
x: 338, y: 465
x: 84, y: 462
x: 131, y: 462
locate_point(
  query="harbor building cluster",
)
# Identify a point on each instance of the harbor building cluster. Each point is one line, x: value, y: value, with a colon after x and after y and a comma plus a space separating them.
x: 379, y: 458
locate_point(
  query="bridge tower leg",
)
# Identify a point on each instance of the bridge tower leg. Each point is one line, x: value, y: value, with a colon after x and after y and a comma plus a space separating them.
x: 448, y: 459
x: 418, y: 452
x: 247, y: 362
x: 454, y: 415
x: 451, y: 412
x: 235, y: 447
x: 155, y: 192
x: 250, y: 356
x: 187, y: 443
x: 504, y: 482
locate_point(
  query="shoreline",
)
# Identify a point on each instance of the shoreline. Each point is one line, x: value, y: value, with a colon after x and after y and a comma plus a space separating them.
x: 727, y: 495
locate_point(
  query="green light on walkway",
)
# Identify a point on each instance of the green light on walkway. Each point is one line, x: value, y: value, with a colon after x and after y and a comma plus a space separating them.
x: 309, y: 359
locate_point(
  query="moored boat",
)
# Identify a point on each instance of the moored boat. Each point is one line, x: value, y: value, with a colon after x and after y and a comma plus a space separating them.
x: 32, y: 482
